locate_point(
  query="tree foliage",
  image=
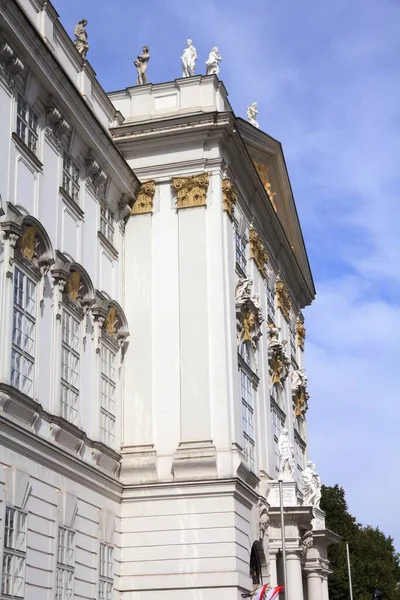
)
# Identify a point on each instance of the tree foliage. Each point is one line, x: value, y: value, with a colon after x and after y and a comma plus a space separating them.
x: 374, y: 561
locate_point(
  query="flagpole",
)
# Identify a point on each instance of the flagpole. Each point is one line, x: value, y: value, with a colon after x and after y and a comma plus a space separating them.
x: 349, y: 570
x: 283, y: 537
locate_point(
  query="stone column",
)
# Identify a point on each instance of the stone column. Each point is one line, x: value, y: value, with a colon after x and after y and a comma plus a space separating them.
x: 294, y: 576
x: 324, y: 588
x: 273, y: 574
x: 314, y: 585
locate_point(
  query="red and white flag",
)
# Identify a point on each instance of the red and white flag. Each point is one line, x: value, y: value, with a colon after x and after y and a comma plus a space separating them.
x: 267, y: 593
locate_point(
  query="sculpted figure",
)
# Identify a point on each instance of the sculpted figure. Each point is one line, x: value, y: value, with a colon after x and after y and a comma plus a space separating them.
x: 141, y: 65
x: 273, y: 334
x: 252, y: 113
x: 243, y: 290
x: 188, y: 59
x: 299, y: 379
x: 311, y: 485
x: 81, y: 38
x: 286, y: 457
x: 212, y: 63
x: 263, y: 519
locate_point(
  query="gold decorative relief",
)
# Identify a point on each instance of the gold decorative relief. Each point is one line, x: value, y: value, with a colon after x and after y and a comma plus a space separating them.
x: 73, y: 285
x: 258, y: 251
x: 144, y: 200
x: 111, y: 320
x: 300, y: 334
x: 28, y: 242
x: 191, y: 191
x: 283, y: 299
x: 229, y: 196
x: 277, y: 367
x: 301, y: 402
x: 262, y: 171
x: 249, y: 322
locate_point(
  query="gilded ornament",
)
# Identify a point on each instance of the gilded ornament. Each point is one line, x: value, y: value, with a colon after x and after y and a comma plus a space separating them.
x: 300, y: 334
x: 277, y: 368
x: 258, y: 251
x: 28, y: 242
x: 111, y: 320
x: 300, y: 402
x: 73, y: 284
x: 229, y: 196
x: 263, y: 174
x: 144, y: 200
x: 191, y: 191
x: 283, y: 299
x: 248, y: 323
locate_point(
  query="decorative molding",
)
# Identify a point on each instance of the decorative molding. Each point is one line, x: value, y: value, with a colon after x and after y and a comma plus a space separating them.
x: 57, y: 125
x: 10, y: 64
x: 283, y: 299
x: 73, y: 285
x: 191, y: 191
x: 300, y: 334
x: 278, y: 361
x: 67, y: 508
x: 262, y: 171
x: 258, y: 251
x: 72, y: 205
x: 28, y: 242
x: 18, y: 487
x: 229, y: 196
x: 96, y: 178
x: 144, y: 199
x: 107, y: 526
x: 263, y: 519
x: 248, y: 318
x: 27, y: 153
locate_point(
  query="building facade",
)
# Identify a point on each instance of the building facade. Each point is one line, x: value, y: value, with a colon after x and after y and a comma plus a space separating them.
x: 152, y: 276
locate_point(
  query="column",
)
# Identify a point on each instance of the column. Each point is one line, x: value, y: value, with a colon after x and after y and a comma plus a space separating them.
x: 273, y: 574
x: 294, y: 576
x: 314, y: 585
x: 324, y: 586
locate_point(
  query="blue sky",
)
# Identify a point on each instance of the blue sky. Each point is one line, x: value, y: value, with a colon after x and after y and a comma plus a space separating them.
x: 326, y: 77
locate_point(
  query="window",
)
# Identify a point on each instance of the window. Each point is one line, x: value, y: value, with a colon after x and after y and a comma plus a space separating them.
x: 270, y: 303
x: 299, y: 452
x: 27, y: 124
x: 65, y: 564
x: 246, y: 386
x: 107, y: 403
x: 292, y: 338
x: 23, y: 332
x: 278, y: 421
x: 70, y: 177
x: 70, y: 367
x: 241, y: 251
x: 14, y: 553
x: 106, y: 583
x: 107, y: 223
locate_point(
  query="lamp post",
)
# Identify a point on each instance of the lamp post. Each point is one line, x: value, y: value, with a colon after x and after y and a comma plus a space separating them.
x: 280, y: 481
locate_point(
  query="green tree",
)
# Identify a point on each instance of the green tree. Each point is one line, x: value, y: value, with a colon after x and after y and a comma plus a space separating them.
x: 374, y: 561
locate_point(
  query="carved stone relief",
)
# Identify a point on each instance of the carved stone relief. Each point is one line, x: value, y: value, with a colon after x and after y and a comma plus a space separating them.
x: 191, y: 191
x: 283, y: 299
x: 258, y: 251
x: 278, y: 361
x: 229, y: 196
x: 300, y: 334
x: 248, y: 318
x: 144, y: 200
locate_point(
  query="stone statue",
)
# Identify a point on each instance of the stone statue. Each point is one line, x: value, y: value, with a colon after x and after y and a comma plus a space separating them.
x: 141, y: 65
x: 81, y: 38
x: 243, y: 290
x: 311, y: 483
x: 252, y: 113
x: 286, y: 456
x: 257, y: 304
x: 273, y: 335
x: 307, y: 541
x: 299, y: 379
x: 263, y: 521
x: 188, y: 59
x: 212, y: 63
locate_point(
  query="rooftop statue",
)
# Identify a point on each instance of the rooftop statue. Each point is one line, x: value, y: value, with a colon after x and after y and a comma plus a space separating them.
x: 81, y: 38
x: 252, y: 113
x: 212, y: 63
x: 141, y: 65
x: 188, y: 59
x: 311, y: 485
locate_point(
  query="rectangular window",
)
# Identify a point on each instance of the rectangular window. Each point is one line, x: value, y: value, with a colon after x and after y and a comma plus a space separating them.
x: 292, y: 338
x: 107, y: 223
x: 14, y: 553
x: 65, y: 564
x: 270, y: 303
x: 70, y: 357
x: 106, y: 580
x: 278, y: 421
x: 23, y: 332
x: 299, y: 452
x: 107, y: 401
x: 246, y: 386
x: 70, y: 177
x: 241, y: 260
x: 27, y: 124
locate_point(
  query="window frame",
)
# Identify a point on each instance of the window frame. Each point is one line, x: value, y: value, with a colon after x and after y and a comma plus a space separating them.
x: 107, y: 220
x: 247, y: 416
x: 70, y: 177
x: 106, y: 379
x: 65, y: 568
x: 66, y: 386
x: 27, y: 125
x: 277, y: 413
x: 26, y: 317
x: 300, y: 453
x: 106, y: 571
x: 240, y: 251
x: 15, y: 555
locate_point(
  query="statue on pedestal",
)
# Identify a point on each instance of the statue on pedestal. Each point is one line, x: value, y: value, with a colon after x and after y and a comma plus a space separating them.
x: 188, y: 59
x: 252, y: 112
x: 243, y: 290
x: 299, y: 392
x: 141, y: 65
x: 81, y: 38
x: 311, y: 485
x: 286, y: 457
x: 212, y: 63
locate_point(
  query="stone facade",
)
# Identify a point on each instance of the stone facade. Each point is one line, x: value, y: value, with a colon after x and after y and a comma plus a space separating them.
x: 143, y: 303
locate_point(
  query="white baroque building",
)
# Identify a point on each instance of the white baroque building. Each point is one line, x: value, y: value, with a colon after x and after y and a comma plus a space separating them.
x: 152, y: 276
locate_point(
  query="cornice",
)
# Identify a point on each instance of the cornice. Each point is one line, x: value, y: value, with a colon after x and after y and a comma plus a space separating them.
x: 30, y: 44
